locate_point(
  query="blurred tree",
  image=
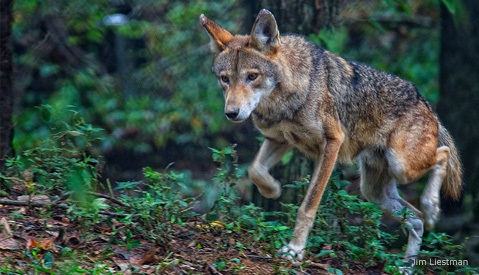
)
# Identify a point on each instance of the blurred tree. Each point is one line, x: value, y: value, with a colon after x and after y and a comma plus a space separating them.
x: 6, y: 82
x: 459, y: 85
x: 129, y: 67
x: 303, y: 16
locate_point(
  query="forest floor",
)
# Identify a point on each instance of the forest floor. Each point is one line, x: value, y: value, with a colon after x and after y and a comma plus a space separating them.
x: 43, y: 240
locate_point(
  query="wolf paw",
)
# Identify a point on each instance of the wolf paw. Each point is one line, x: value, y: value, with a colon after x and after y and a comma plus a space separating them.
x: 409, y: 264
x: 405, y: 270
x: 431, y: 212
x: 292, y: 253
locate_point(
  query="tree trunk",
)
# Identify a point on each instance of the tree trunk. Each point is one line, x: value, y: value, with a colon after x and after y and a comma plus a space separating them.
x: 459, y: 85
x: 6, y: 82
x: 302, y: 16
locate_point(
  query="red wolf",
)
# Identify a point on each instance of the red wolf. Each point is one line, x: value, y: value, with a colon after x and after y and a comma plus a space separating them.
x: 333, y: 109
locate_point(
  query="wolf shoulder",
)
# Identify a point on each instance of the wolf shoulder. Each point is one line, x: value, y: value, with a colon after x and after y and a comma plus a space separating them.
x: 352, y: 82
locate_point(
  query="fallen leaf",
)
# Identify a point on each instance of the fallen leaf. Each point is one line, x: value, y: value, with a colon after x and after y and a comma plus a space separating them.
x: 149, y: 257
x: 105, y: 230
x: 31, y: 243
x: 22, y: 211
x: 7, y: 242
x: 45, y: 244
x: 122, y: 264
x: 5, y: 227
x: 319, y: 265
x: 204, y: 237
x: 217, y: 225
x: 123, y: 253
x: 61, y: 221
x: 135, y: 261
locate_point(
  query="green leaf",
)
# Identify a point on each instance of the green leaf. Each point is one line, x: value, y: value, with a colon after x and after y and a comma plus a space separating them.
x: 325, y: 253
x: 377, y: 25
x: 48, y: 69
x: 450, y: 5
x: 333, y: 270
x: 75, y: 133
x: 99, y: 204
x: 286, y: 159
x: 46, y: 112
x: 48, y: 259
x: 235, y: 260
x: 43, y: 269
x: 220, y: 265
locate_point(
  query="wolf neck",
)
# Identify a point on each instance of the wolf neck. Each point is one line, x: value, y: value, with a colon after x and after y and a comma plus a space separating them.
x: 279, y: 106
x: 294, y: 90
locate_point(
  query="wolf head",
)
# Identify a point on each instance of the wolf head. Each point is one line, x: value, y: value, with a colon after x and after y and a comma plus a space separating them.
x: 245, y: 65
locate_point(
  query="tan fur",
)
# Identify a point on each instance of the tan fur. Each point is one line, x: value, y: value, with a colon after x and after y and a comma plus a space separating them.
x: 452, y: 185
x: 332, y: 109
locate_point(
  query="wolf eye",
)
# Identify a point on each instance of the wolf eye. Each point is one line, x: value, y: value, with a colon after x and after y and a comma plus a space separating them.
x: 252, y: 76
x: 225, y: 79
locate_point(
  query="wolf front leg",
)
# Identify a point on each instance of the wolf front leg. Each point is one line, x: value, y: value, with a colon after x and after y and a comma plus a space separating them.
x: 269, y: 154
x: 307, y: 211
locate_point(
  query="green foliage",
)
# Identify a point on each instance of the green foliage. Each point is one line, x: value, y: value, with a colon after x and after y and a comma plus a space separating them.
x: 68, y: 262
x: 166, y: 98
x: 226, y: 178
x: 346, y: 228
x: 352, y: 226
x: 390, y: 45
x: 62, y: 160
x: 232, y: 265
x: 158, y: 203
x: 450, y: 5
x: 438, y: 246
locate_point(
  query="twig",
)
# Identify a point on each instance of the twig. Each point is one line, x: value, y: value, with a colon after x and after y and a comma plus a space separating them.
x: 58, y: 200
x: 62, y: 197
x: 35, y: 203
x: 213, y: 270
x: 265, y: 257
x: 25, y: 203
x: 54, y: 203
x: 109, y: 198
x: 114, y: 214
x: 322, y: 266
x: 6, y: 238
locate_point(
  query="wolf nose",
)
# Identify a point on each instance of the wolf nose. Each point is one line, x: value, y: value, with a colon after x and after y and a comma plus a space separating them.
x: 232, y: 114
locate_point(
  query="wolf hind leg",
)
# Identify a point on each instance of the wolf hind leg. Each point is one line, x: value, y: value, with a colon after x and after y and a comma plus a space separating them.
x: 269, y: 154
x: 430, y: 198
x: 378, y: 186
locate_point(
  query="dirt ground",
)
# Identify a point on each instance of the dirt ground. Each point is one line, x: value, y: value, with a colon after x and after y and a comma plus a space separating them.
x: 42, y: 238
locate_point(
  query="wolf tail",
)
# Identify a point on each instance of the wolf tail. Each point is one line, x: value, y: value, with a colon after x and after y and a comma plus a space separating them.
x: 452, y: 184
x: 451, y: 176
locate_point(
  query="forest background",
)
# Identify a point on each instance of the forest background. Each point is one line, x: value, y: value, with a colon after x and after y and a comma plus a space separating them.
x: 100, y: 91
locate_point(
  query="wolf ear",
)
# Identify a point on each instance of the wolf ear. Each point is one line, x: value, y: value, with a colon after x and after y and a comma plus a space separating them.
x: 219, y: 36
x: 264, y: 34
